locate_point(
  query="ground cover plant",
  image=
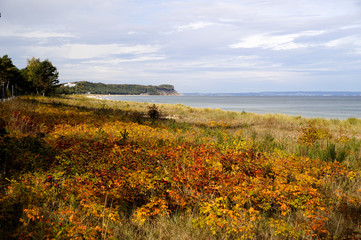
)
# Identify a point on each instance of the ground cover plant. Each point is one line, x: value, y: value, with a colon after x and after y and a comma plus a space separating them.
x: 79, y: 168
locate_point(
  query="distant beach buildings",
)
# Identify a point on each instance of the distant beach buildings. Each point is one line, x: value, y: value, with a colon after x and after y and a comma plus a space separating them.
x: 69, y: 84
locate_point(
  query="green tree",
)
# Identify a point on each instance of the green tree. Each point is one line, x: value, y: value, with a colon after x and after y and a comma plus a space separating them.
x: 9, y: 75
x: 42, y: 75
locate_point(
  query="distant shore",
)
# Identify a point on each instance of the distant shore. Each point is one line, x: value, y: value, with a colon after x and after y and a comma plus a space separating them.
x: 329, y: 107
x: 101, y: 96
x: 285, y: 94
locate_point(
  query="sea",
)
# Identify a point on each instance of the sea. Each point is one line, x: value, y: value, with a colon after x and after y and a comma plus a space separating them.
x: 329, y: 107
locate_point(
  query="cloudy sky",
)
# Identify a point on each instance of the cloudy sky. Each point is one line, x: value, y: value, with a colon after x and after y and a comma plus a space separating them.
x: 196, y: 45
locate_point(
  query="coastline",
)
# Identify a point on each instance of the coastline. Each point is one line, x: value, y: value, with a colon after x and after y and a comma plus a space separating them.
x: 100, y: 96
x: 94, y: 96
x: 334, y: 107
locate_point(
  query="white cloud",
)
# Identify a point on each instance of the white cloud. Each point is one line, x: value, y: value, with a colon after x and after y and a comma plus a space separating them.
x: 194, y: 26
x: 344, y: 41
x: 117, y: 61
x: 280, y: 42
x: 86, y: 51
x: 351, y: 26
x: 38, y: 34
x: 351, y: 44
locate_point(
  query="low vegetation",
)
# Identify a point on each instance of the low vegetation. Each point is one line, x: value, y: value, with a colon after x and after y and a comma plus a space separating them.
x: 79, y: 168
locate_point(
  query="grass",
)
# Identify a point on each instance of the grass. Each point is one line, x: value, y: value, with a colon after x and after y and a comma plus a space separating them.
x: 80, y: 168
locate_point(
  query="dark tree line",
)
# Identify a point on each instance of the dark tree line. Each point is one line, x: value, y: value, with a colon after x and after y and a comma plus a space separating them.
x: 121, y: 89
x: 38, y: 77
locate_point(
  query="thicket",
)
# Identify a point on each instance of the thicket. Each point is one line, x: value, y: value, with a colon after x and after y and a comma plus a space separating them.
x: 74, y: 168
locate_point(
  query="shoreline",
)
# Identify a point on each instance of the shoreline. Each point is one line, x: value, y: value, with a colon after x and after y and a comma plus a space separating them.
x: 305, y: 107
x: 99, y: 96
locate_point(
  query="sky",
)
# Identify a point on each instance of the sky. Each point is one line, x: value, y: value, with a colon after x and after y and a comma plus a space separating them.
x: 203, y: 46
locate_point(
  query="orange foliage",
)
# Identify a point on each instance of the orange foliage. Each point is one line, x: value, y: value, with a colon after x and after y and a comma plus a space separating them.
x: 103, y: 170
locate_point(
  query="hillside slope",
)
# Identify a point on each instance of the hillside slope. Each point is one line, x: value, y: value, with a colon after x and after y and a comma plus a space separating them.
x: 85, y: 87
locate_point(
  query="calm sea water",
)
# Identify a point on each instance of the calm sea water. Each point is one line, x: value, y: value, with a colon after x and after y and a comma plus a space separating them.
x: 309, y: 107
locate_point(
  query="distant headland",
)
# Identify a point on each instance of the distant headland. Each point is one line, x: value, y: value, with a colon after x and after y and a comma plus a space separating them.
x: 85, y: 87
x: 290, y: 93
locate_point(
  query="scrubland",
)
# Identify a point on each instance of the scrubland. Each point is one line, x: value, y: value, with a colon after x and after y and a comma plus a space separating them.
x: 80, y: 168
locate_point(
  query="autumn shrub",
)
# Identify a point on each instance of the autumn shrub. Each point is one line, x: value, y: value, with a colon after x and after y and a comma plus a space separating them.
x: 268, y: 143
x: 308, y: 135
x: 153, y: 112
x: 353, y: 121
x: 96, y: 176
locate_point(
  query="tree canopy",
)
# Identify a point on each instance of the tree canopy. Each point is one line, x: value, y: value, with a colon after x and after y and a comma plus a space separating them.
x: 9, y: 75
x: 42, y: 75
x: 39, y: 77
x: 8, y: 70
